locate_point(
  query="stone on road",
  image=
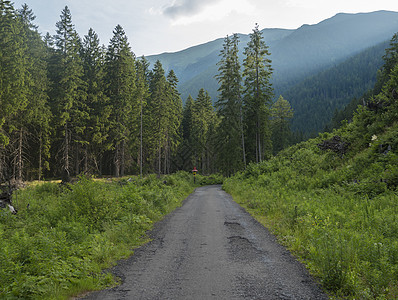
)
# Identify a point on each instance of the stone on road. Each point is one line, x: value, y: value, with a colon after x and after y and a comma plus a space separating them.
x: 211, y: 248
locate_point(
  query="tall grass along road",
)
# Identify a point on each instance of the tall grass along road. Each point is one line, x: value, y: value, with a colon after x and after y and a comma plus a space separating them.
x: 210, y: 248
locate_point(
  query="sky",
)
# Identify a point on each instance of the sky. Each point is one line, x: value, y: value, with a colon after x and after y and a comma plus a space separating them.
x: 158, y: 26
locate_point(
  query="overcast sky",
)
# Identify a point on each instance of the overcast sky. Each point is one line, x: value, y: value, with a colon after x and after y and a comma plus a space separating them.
x: 157, y: 26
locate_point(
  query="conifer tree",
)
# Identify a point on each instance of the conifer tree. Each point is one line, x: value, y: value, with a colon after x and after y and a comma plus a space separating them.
x: 390, y: 61
x: 186, y: 149
x: 67, y: 89
x: 173, y: 136
x: 229, y: 104
x: 281, y: 112
x: 142, y: 85
x: 257, y: 96
x: 202, y: 123
x: 13, y: 79
x: 97, y: 103
x: 120, y: 79
x: 34, y: 121
x: 157, y: 115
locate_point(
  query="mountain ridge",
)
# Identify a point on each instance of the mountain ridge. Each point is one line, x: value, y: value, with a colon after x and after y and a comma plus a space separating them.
x: 295, y: 53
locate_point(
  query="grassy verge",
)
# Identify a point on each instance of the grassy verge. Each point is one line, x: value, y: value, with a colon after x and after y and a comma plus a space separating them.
x: 62, y: 238
x: 339, y: 215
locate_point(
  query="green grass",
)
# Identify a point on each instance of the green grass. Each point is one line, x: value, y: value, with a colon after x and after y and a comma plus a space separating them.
x: 60, y: 245
x: 338, y: 214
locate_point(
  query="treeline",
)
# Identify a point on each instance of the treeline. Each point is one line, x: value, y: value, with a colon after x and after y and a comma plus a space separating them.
x: 70, y: 106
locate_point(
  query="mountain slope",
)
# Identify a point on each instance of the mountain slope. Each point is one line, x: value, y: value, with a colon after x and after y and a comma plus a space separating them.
x: 315, y: 98
x: 296, y: 55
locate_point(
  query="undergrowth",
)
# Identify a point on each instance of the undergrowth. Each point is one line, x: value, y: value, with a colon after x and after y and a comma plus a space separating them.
x: 338, y: 212
x: 63, y: 237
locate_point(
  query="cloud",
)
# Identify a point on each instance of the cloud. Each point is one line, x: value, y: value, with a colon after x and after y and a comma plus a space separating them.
x: 185, y: 8
x: 214, y: 11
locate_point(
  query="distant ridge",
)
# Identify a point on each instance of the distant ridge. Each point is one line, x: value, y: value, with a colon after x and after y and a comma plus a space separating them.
x: 296, y: 54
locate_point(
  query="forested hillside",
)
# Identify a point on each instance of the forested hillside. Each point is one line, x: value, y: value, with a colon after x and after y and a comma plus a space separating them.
x: 71, y: 106
x: 297, y: 56
x: 316, y: 98
x: 333, y: 199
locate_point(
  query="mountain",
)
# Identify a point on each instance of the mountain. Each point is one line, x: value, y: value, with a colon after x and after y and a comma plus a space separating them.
x: 317, y: 97
x: 296, y: 54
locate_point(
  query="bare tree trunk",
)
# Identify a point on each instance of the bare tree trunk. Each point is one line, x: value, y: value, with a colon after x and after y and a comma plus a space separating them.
x: 117, y: 161
x: 77, y: 159
x: 160, y: 160
x: 19, y: 158
x: 66, y: 148
x: 122, y: 161
x: 243, y: 136
x: 165, y: 158
x: 40, y: 154
x: 85, y: 168
x: 141, y: 140
x: 258, y: 139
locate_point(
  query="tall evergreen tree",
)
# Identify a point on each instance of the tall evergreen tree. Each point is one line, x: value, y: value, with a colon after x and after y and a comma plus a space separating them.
x: 257, y: 96
x: 33, y: 134
x: 67, y: 89
x: 13, y: 78
x: 390, y: 61
x: 142, y: 85
x: 157, y: 115
x: 281, y: 112
x: 97, y: 104
x: 229, y: 104
x: 202, y: 123
x: 121, y: 88
x: 186, y: 149
x: 173, y: 136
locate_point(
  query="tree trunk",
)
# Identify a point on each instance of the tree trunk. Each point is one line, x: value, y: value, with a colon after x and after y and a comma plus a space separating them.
x: 141, y: 140
x: 19, y: 156
x: 77, y: 158
x: 85, y: 170
x: 117, y: 161
x: 160, y: 160
x: 243, y: 136
x: 40, y: 154
x: 66, y: 148
x: 122, y: 161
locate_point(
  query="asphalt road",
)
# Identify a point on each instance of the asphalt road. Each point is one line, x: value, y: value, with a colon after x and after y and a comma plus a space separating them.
x: 211, y: 248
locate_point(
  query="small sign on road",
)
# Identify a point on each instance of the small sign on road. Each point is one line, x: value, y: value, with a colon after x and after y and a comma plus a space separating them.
x: 194, y: 171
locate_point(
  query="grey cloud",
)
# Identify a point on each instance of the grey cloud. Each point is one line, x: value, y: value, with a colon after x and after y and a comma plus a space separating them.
x: 186, y: 8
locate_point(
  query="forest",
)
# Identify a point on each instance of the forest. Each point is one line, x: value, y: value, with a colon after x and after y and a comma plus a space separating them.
x: 71, y: 106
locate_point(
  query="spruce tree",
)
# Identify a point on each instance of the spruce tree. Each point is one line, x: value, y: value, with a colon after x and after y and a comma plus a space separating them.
x: 120, y: 79
x: 13, y: 79
x: 202, y: 123
x: 186, y: 149
x: 67, y: 90
x: 281, y: 112
x: 229, y: 106
x: 257, y: 96
x: 142, y: 94
x: 97, y: 104
x: 34, y: 121
x: 173, y: 134
x: 157, y: 115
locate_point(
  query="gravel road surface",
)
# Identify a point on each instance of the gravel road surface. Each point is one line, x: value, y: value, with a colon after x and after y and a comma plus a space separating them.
x: 211, y: 248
